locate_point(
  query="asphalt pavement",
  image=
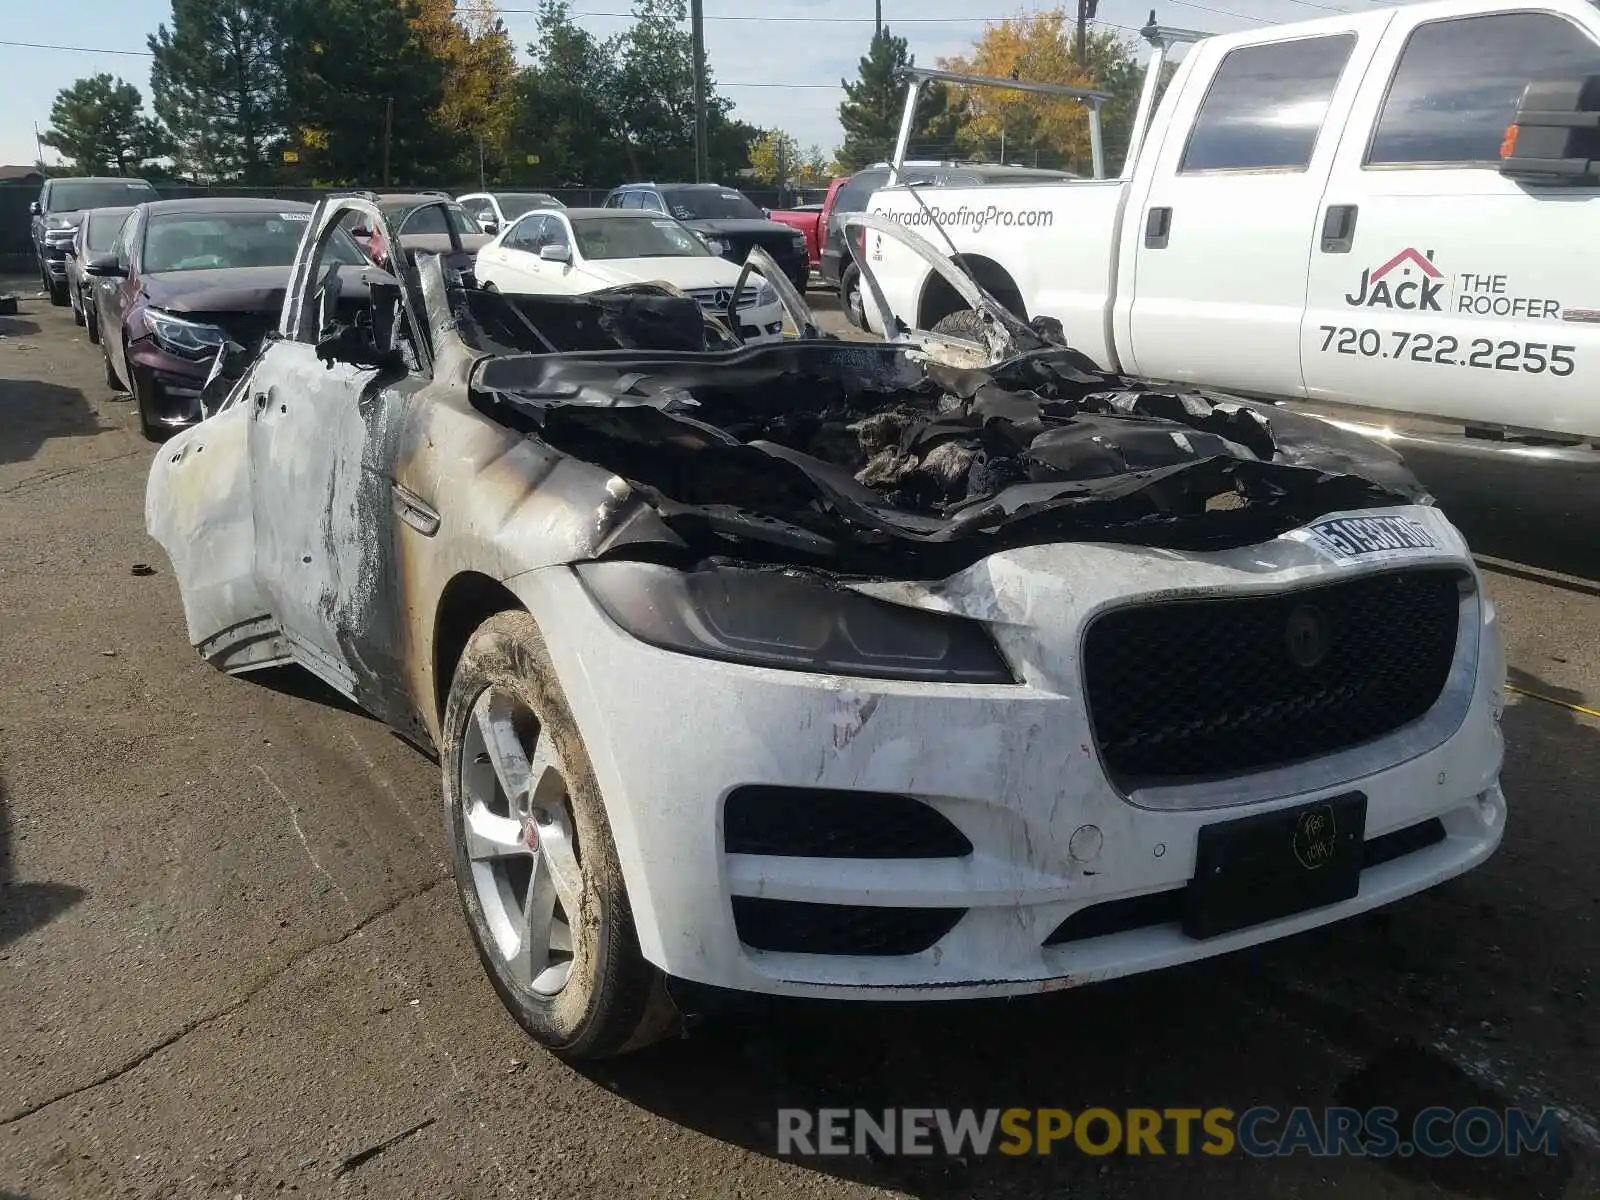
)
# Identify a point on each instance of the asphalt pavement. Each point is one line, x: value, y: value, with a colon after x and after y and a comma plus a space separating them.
x: 232, y: 962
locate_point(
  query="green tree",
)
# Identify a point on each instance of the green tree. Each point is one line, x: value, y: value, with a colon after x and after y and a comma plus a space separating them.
x: 872, y: 105
x: 99, y: 123
x: 653, y: 103
x: 218, y: 85
x: 364, y: 90
x: 564, y: 109
x: 596, y: 112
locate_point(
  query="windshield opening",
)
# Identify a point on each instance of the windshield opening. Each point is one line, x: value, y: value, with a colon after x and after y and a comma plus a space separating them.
x: 103, y: 228
x: 636, y: 237
x: 515, y: 206
x: 432, y: 219
x: 68, y: 196
x: 222, y: 241
x: 709, y: 204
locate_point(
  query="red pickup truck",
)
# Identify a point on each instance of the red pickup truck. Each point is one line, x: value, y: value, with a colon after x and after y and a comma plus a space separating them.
x: 811, y: 220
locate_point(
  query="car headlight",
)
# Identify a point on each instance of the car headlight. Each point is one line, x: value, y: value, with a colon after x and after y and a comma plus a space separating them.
x: 187, y: 339
x: 775, y: 618
x: 766, y: 294
x: 716, y: 245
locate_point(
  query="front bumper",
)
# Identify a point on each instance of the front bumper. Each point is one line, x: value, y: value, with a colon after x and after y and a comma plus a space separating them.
x: 1013, y: 768
x: 761, y: 323
x: 55, y: 262
x: 170, y: 385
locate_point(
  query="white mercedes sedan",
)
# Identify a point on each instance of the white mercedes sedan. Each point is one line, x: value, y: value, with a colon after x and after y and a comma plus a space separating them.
x: 581, y: 250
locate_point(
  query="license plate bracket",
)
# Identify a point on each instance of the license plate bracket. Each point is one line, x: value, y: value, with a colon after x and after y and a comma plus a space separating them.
x: 1273, y: 865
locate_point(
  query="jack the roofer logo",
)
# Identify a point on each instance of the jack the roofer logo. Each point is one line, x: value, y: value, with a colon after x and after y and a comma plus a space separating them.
x: 1407, y: 281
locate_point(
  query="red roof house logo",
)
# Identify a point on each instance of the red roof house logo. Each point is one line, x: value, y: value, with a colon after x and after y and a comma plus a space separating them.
x: 1405, y: 290
x: 1423, y: 262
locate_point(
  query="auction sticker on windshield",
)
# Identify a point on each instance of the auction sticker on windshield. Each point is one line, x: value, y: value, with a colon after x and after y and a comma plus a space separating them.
x: 1366, y: 537
x: 294, y: 216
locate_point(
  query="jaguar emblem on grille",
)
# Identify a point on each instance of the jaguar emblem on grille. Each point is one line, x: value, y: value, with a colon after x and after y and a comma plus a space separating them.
x: 1306, y: 636
x: 1315, y: 837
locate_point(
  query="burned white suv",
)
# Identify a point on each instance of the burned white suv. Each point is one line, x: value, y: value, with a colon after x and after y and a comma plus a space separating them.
x: 835, y: 669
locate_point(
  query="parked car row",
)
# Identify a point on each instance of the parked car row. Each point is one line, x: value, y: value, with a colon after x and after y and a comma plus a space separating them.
x: 161, y: 286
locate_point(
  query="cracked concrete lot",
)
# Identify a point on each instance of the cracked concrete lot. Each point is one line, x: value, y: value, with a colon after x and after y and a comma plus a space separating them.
x: 232, y: 963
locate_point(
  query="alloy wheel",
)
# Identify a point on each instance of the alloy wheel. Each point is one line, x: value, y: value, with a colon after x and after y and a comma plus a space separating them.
x: 516, y: 820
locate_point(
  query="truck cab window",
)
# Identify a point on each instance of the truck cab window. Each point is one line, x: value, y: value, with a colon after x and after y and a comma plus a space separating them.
x: 1266, y: 104
x: 1456, y: 86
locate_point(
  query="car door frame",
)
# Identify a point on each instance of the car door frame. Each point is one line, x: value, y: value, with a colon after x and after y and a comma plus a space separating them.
x: 1167, y: 178
x: 341, y: 618
x: 521, y: 262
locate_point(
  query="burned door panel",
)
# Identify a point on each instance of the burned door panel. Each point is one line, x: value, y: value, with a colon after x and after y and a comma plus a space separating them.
x: 322, y: 446
x: 198, y: 507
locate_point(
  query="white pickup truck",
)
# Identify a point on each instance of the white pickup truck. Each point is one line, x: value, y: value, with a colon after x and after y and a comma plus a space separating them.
x: 1374, y: 210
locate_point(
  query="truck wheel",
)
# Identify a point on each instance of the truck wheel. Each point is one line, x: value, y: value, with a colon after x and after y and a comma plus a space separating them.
x: 58, y: 294
x: 535, y: 864
x: 77, y: 311
x: 966, y: 324
x: 850, y: 297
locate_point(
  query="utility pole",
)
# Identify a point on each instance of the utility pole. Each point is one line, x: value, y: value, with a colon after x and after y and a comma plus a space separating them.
x: 388, y: 136
x: 877, y: 25
x: 697, y: 26
x: 1086, y: 11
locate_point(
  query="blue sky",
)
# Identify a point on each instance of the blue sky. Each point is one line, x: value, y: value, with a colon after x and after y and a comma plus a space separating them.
x: 748, y: 57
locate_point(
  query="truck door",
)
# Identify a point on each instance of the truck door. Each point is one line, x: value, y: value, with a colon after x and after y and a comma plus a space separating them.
x: 1438, y: 286
x: 1223, y: 231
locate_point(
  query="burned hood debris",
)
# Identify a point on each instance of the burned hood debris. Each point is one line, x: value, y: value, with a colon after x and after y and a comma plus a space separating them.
x: 874, y: 458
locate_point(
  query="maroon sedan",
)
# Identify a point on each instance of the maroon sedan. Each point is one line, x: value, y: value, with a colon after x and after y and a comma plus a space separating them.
x: 185, y: 278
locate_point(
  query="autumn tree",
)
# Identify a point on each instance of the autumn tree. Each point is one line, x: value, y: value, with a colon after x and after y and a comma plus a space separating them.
x: 479, y: 99
x: 775, y: 157
x: 99, y: 124
x: 1053, y: 130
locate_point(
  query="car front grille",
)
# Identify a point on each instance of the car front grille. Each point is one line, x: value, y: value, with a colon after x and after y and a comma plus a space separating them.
x: 1196, y: 689
x: 817, y: 823
x: 716, y: 299
x: 799, y: 927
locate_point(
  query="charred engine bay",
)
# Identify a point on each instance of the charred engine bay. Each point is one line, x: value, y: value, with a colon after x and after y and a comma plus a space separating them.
x: 859, y: 459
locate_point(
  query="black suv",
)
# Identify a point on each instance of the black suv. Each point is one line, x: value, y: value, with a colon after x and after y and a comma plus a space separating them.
x: 838, y: 269
x: 58, y: 212
x: 725, y: 218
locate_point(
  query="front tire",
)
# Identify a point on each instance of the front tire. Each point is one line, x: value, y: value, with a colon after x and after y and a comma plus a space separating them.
x: 112, y: 381
x: 850, y: 297
x: 149, y: 424
x: 58, y: 294
x: 536, y: 868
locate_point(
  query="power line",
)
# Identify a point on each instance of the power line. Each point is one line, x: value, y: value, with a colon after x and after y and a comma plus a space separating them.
x: 79, y: 49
